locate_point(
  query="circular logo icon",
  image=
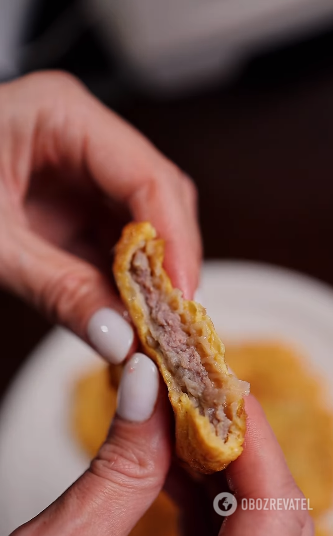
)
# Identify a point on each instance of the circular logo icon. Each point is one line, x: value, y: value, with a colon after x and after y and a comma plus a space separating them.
x: 225, y: 504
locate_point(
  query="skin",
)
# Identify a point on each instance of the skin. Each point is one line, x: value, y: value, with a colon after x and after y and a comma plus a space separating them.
x: 72, y: 173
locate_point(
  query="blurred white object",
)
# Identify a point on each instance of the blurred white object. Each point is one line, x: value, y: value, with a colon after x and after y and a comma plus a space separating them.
x: 39, y: 457
x: 13, y: 15
x: 180, y: 42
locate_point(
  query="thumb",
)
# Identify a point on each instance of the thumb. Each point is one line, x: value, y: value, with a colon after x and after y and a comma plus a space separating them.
x: 129, y: 471
x: 261, y: 473
x: 70, y: 291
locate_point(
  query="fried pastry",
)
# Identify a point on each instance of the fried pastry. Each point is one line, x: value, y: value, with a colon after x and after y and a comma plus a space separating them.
x: 178, y: 335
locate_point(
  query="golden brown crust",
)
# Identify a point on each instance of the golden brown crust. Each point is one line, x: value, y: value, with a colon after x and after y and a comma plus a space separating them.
x: 196, y: 440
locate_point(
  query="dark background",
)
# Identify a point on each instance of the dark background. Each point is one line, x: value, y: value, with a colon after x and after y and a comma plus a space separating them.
x: 259, y: 150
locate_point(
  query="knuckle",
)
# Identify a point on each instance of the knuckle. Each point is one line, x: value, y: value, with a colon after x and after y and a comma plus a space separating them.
x: 175, y: 173
x: 48, y: 87
x: 190, y: 188
x: 168, y: 172
x: 56, y: 78
x: 126, y: 464
x: 66, y: 292
x: 185, y: 182
x: 165, y: 171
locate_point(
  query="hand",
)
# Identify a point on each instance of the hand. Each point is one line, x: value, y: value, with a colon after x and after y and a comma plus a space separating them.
x: 71, y: 174
x: 131, y: 467
x: 260, y: 472
x: 63, y: 159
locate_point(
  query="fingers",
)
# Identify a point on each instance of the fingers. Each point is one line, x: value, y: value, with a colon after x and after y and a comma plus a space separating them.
x: 261, y: 472
x: 130, y: 169
x: 169, y: 203
x: 68, y: 290
x: 129, y: 470
x: 75, y: 132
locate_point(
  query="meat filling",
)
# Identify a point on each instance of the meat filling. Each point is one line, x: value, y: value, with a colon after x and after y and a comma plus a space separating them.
x: 182, y: 359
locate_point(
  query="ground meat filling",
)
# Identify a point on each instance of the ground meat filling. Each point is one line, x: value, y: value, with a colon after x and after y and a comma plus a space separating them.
x: 182, y: 358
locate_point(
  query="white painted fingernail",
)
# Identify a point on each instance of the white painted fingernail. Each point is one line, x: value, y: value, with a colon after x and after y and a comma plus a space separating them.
x: 138, y: 389
x: 110, y: 334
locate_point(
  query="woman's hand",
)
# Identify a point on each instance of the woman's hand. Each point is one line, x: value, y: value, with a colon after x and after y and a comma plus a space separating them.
x: 260, y: 472
x: 132, y: 465
x: 71, y: 174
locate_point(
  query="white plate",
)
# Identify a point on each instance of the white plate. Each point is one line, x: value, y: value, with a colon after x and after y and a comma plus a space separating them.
x: 38, y: 457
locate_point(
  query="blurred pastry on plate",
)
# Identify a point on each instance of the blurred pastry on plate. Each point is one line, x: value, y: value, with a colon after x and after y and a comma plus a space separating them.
x: 293, y: 398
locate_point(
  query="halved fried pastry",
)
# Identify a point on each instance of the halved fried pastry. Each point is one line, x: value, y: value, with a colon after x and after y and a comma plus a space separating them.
x: 178, y: 335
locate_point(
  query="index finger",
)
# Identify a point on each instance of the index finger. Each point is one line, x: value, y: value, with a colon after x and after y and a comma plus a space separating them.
x: 131, y: 170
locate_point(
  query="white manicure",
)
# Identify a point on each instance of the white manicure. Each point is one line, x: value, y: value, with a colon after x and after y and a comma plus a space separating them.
x: 110, y: 334
x: 138, y: 389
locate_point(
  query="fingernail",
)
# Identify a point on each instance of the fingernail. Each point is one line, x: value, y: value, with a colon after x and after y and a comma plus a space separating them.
x: 138, y: 389
x: 110, y: 334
